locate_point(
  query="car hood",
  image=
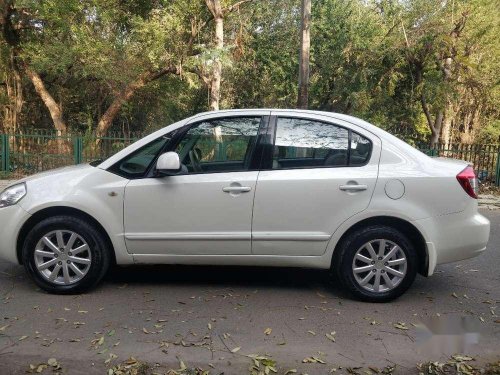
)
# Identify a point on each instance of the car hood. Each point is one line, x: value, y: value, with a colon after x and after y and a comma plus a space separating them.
x: 74, y: 186
x: 54, y: 173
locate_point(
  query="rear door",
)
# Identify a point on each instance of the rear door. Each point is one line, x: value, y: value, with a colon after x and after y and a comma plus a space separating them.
x: 315, y: 175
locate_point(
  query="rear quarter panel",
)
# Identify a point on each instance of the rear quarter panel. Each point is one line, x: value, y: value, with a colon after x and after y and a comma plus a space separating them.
x: 431, y: 190
x: 430, y: 185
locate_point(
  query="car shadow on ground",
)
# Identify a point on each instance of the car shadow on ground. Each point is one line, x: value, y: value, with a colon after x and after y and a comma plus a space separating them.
x: 234, y: 277
x: 277, y: 278
x: 223, y: 276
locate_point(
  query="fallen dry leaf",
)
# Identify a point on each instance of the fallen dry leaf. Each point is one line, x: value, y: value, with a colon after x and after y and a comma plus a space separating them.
x: 4, y: 327
x: 401, y: 325
x: 52, y: 362
x: 182, y: 366
x: 331, y: 336
x: 313, y: 360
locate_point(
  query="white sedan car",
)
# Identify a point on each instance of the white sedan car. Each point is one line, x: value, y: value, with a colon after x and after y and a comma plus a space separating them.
x: 250, y: 187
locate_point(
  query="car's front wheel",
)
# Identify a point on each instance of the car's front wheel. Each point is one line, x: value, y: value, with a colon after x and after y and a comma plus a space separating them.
x: 65, y: 254
x: 376, y: 264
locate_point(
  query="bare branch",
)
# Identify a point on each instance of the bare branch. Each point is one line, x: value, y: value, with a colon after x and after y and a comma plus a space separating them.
x: 235, y: 6
x: 427, y: 113
x: 127, y: 92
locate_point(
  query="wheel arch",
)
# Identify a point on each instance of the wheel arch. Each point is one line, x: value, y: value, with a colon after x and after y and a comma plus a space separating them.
x: 57, y: 211
x: 404, y: 226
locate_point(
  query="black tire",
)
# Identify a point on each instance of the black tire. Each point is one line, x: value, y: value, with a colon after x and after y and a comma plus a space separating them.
x: 343, y: 262
x: 98, y: 248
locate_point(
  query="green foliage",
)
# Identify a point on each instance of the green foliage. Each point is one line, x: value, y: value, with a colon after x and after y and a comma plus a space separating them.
x: 370, y: 58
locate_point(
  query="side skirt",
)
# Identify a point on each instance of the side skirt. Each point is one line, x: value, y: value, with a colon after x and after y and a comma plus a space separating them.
x: 322, y: 262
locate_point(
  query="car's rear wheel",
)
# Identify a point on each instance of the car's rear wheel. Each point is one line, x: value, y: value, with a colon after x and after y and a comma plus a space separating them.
x: 65, y: 254
x: 376, y: 264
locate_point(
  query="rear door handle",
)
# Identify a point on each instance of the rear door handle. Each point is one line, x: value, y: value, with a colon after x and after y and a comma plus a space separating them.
x: 236, y: 189
x: 353, y: 187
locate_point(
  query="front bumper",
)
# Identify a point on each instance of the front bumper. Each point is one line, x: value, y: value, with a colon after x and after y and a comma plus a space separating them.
x: 454, y: 237
x: 12, y: 219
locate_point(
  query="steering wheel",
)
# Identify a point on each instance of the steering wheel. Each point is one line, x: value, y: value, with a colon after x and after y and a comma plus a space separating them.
x: 195, y: 160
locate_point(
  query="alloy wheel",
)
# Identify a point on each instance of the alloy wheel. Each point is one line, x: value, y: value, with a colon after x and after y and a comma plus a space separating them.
x: 62, y: 257
x: 379, y: 265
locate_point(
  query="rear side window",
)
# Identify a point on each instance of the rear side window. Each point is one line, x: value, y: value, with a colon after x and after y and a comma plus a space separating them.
x: 302, y: 143
x: 360, y: 150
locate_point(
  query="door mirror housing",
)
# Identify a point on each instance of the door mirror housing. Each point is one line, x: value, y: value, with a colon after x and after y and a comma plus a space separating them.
x: 168, y: 163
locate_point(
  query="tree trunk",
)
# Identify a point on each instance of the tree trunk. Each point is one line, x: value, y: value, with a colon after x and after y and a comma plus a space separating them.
x: 14, y: 91
x: 56, y: 113
x: 13, y: 81
x: 216, y: 72
x: 448, y: 121
x: 434, y: 126
x: 446, y: 130
x: 54, y: 108
x: 305, y: 47
x: 470, y: 117
x: 436, y: 129
x: 124, y: 95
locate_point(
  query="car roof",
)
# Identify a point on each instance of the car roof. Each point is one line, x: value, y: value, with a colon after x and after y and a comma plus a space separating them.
x: 382, y: 134
x: 300, y: 112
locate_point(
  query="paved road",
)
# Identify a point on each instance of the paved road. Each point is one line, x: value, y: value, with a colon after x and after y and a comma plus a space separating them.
x: 199, y: 315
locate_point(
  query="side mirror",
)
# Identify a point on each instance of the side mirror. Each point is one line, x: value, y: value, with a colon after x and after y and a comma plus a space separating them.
x: 168, y: 163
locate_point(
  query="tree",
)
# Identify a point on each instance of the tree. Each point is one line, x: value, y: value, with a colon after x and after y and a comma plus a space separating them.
x: 95, y: 36
x: 212, y: 74
x: 422, y: 69
x: 438, y: 46
x: 12, y: 80
x: 216, y: 72
x: 305, y: 46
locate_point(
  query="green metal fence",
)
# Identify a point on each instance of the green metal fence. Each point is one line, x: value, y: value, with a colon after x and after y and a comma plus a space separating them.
x: 4, y: 155
x: 22, y: 154
x: 484, y: 158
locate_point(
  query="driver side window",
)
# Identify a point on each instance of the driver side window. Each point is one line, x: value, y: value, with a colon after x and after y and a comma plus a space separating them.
x: 221, y: 145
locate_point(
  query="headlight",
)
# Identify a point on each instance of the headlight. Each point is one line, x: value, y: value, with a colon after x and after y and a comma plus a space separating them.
x: 12, y: 195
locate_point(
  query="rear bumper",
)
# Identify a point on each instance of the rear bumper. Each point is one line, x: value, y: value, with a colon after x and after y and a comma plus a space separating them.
x: 454, y: 237
x: 11, y: 220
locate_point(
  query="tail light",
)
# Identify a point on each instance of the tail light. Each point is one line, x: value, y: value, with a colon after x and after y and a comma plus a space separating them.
x: 467, y: 178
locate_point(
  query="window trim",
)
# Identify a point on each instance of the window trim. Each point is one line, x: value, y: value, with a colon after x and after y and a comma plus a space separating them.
x: 267, y: 165
x: 255, y: 161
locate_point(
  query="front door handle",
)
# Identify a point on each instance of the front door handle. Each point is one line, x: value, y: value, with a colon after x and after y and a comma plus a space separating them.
x: 236, y: 189
x: 353, y: 187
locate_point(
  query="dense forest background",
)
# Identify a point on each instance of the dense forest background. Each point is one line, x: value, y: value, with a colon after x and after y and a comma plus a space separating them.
x: 422, y: 67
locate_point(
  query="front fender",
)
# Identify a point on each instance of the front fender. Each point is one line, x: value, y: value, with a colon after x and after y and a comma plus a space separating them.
x: 93, y: 191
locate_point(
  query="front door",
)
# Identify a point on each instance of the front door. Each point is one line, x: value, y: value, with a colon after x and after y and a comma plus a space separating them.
x: 207, y: 208
x: 317, y: 176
